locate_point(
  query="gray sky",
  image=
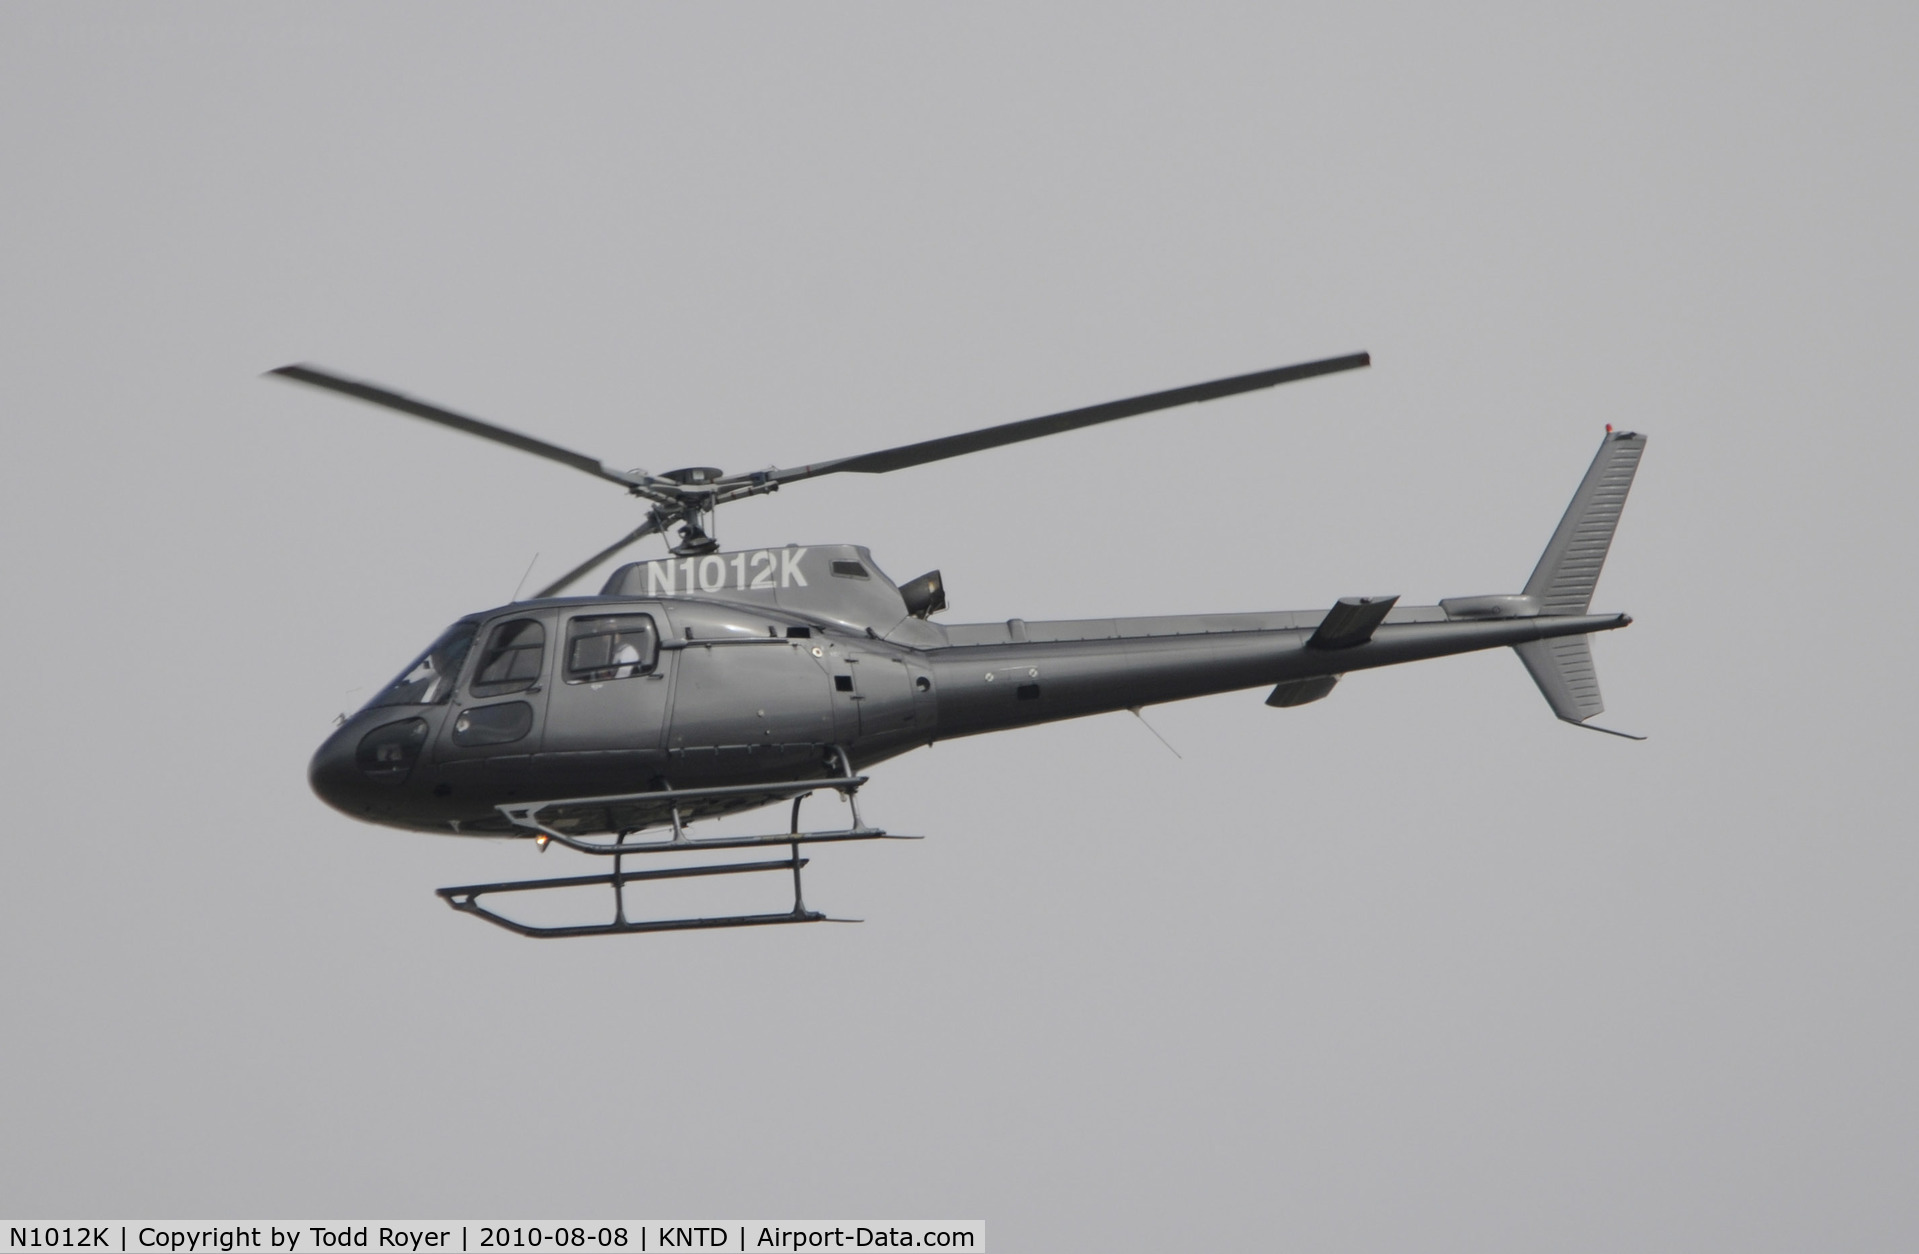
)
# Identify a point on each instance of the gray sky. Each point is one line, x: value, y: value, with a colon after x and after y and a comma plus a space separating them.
x: 1412, y: 968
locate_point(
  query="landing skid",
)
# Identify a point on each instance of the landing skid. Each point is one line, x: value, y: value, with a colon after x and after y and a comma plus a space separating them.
x: 466, y: 897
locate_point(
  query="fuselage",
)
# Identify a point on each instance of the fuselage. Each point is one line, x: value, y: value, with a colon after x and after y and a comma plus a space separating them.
x: 783, y: 664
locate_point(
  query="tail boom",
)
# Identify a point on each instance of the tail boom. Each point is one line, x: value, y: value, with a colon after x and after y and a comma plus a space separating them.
x: 988, y: 687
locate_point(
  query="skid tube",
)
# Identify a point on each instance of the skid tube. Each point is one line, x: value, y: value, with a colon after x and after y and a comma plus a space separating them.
x: 466, y: 897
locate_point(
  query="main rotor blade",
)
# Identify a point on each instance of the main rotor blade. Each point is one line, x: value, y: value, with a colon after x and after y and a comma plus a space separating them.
x: 1070, y: 420
x: 644, y: 530
x: 447, y: 418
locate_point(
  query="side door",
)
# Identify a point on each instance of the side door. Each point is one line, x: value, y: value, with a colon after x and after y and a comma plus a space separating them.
x: 741, y: 687
x: 498, y: 710
x: 610, y: 687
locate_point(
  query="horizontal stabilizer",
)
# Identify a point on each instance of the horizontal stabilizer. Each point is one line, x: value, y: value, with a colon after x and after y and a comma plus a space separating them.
x: 1351, y: 622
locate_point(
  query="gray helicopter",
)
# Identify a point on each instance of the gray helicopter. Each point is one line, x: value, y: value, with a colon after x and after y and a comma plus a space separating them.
x: 709, y: 682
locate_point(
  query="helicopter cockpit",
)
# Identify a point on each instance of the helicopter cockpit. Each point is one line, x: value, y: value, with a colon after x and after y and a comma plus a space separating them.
x: 430, y: 680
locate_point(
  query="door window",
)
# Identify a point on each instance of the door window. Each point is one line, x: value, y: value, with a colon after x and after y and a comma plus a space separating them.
x: 514, y: 655
x: 611, y: 646
x: 500, y: 724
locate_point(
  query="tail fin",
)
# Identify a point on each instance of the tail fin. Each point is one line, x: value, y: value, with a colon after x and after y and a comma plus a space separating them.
x: 1568, y: 571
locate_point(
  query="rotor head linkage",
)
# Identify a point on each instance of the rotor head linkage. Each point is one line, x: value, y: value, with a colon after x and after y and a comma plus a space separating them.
x: 695, y: 511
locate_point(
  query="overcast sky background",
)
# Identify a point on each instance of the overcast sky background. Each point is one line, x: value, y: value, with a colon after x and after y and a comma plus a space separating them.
x: 1415, y: 967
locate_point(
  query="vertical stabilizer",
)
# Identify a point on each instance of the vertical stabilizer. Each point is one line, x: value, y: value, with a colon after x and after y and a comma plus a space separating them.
x: 1563, y: 669
x: 1567, y: 573
x: 1568, y: 570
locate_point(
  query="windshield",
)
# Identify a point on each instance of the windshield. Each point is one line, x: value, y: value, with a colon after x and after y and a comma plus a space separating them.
x: 429, y: 681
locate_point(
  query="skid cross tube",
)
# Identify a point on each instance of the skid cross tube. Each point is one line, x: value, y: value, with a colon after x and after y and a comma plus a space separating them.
x: 466, y: 898
x: 527, y: 814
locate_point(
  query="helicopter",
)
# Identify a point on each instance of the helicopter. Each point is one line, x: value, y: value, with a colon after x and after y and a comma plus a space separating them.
x: 709, y: 682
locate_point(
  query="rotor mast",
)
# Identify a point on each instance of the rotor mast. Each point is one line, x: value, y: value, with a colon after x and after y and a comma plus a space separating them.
x: 695, y: 500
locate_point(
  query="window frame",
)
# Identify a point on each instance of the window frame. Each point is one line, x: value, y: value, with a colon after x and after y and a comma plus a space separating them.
x: 460, y: 639
x: 494, y: 651
x: 482, y: 726
x: 579, y: 630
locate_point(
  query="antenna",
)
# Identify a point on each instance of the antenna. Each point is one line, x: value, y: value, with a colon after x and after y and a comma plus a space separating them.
x: 522, y: 583
x: 1134, y: 711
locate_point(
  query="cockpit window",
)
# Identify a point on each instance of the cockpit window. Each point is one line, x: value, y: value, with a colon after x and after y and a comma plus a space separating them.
x: 610, y: 646
x: 430, y: 680
x: 515, y: 653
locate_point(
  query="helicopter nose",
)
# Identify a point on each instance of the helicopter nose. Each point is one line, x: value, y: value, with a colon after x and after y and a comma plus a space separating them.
x: 359, y: 769
x: 334, y: 776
